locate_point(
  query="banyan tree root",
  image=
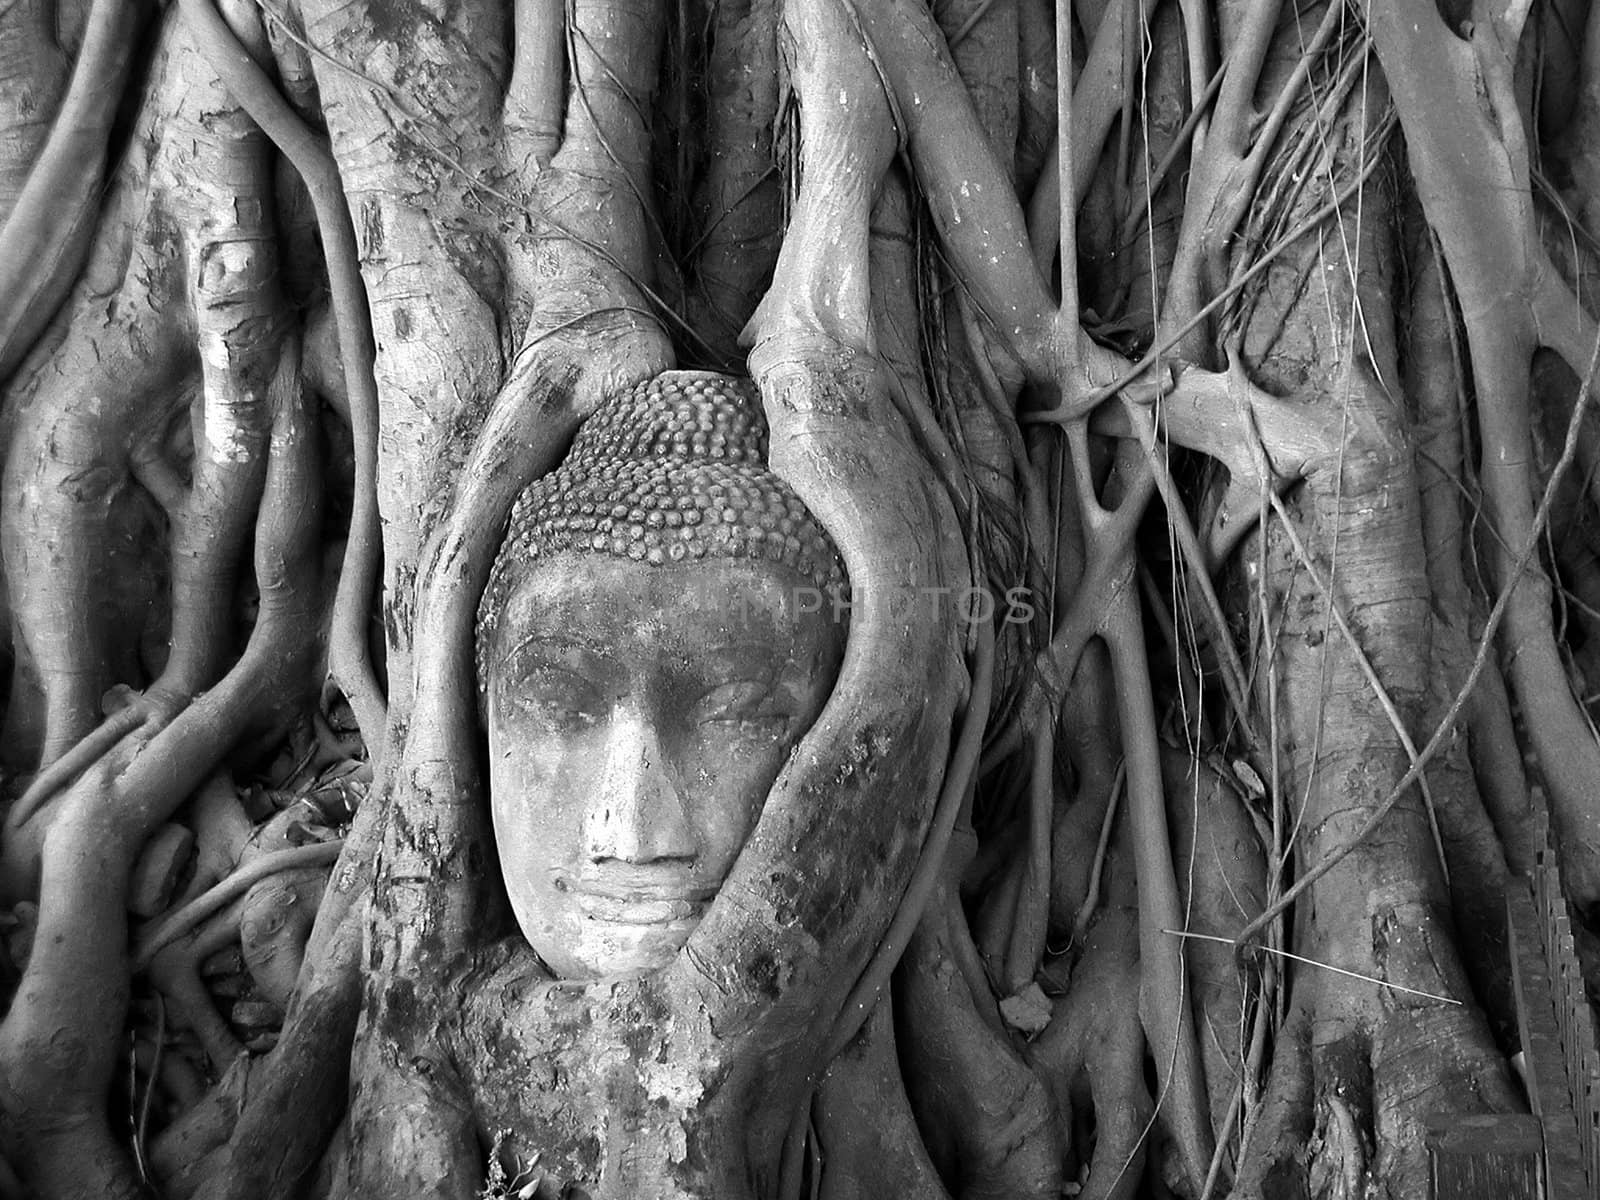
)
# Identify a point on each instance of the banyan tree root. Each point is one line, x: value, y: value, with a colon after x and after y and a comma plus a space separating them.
x: 29, y: 53
x: 431, y: 263
x: 1360, y: 1061
x: 203, y: 169
x: 1483, y: 802
x: 175, y: 971
x: 249, y: 1151
x: 274, y: 904
x: 868, y: 1140
x: 268, y: 921
x: 206, y: 171
x: 307, y: 1071
x: 1092, y: 1053
x: 58, y: 1042
x: 234, y: 51
x: 180, y: 1153
x: 1221, y: 870
x: 739, y: 203
x: 274, y: 926
x: 989, y: 1121
x: 1512, y: 300
x: 47, y: 225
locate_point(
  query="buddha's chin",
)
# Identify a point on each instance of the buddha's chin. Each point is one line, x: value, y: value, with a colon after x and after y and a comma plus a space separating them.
x: 603, y: 949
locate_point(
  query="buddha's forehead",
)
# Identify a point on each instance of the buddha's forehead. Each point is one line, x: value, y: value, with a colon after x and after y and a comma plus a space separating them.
x: 627, y: 608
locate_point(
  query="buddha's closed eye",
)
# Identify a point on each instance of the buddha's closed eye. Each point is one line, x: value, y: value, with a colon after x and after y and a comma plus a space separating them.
x: 741, y: 701
x: 558, y: 698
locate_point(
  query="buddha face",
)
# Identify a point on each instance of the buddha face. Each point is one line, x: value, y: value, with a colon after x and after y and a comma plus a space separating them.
x: 637, y: 716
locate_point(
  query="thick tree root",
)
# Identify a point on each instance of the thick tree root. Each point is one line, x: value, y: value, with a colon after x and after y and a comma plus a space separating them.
x: 47, y: 227
x: 1344, y: 1110
x: 1512, y: 301
x: 175, y: 970
x: 180, y: 1154
x: 987, y: 1118
x: 869, y: 1141
x: 300, y: 1091
x: 1220, y: 864
x: 349, y: 659
x: 58, y: 1041
x: 1093, y: 1052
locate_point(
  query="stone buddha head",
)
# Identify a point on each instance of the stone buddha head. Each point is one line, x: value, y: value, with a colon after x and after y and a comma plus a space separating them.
x: 657, y: 633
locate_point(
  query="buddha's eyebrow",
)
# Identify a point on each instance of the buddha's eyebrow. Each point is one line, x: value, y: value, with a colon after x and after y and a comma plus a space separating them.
x: 568, y: 653
x: 760, y: 659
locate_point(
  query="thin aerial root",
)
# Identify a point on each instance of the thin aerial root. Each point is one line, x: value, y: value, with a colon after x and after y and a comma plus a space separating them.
x: 1030, y: 925
x: 1098, y: 98
x: 1091, y: 898
x: 1311, y: 962
x: 1199, y: 575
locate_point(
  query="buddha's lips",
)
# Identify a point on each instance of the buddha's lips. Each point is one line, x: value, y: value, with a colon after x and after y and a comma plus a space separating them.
x: 635, y: 902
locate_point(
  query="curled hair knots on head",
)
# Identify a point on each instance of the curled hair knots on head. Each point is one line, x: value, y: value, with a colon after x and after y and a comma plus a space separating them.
x: 670, y: 470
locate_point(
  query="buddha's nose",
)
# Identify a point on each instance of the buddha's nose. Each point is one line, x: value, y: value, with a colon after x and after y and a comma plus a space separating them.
x: 638, y: 813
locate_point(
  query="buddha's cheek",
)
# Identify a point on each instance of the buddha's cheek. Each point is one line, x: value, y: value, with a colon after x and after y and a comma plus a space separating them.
x: 535, y: 803
x: 726, y: 796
